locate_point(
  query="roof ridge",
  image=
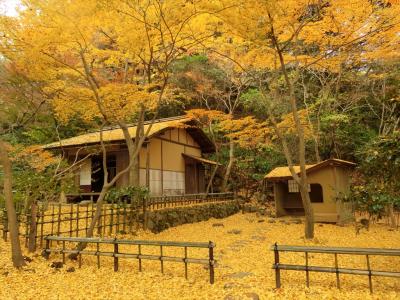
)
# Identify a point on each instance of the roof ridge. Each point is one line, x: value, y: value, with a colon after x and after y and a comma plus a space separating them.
x: 113, y: 134
x: 284, y: 171
x: 145, y: 123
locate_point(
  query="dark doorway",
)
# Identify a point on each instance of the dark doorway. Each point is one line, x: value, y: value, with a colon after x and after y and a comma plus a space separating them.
x: 98, y: 172
x: 194, y: 177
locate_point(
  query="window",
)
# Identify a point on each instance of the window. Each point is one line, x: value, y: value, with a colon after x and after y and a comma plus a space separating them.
x: 316, y: 193
x: 294, y: 187
x: 85, y: 172
x: 174, y: 183
x: 155, y: 182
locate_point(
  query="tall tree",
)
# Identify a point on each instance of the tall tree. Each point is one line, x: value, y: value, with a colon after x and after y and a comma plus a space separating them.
x: 17, y: 258
x: 275, y: 40
x: 104, y: 61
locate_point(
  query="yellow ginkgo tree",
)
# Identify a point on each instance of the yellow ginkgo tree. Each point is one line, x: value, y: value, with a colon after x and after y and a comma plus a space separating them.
x: 105, y: 62
x: 274, y: 41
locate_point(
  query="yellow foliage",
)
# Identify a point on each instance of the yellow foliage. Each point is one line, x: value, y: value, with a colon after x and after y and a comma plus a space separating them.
x: 245, y: 252
x: 91, y: 56
x: 36, y: 157
x: 287, y: 124
x: 318, y: 34
x: 207, y: 117
x: 247, y: 131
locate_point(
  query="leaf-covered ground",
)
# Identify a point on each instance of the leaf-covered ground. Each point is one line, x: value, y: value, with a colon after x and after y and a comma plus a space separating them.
x: 243, y: 270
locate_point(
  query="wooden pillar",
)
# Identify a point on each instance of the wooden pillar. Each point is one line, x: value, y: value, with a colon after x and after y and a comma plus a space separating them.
x: 148, y: 165
x: 196, y: 178
x: 162, y: 170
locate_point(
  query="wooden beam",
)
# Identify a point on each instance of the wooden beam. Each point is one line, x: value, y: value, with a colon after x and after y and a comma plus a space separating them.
x: 162, y: 169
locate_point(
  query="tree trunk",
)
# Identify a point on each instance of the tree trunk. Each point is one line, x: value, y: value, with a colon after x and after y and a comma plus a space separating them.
x: 302, y: 181
x: 32, y: 228
x: 230, y: 165
x: 97, y: 214
x: 134, y: 173
x: 133, y: 146
x: 17, y: 258
x: 134, y: 179
x: 94, y: 221
x: 308, y: 211
x: 392, y: 218
x: 210, y: 182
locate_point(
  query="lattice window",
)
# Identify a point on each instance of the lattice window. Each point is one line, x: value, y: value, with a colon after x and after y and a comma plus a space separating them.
x: 294, y: 187
x: 155, y: 182
x: 174, y: 183
x: 85, y: 172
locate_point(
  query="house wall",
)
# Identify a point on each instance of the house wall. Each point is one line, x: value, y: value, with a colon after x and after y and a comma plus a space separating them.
x: 166, y: 164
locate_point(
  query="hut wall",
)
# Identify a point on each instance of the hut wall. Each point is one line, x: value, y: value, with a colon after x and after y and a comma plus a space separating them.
x: 325, y: 211
x: 280, y: 195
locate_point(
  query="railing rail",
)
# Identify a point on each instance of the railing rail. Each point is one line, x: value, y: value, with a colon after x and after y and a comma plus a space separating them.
x: 116, y: 253
x: 277, y: 266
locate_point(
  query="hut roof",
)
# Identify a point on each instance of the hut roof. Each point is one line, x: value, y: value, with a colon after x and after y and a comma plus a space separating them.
x: 284, y: 172
x: 116, y: 134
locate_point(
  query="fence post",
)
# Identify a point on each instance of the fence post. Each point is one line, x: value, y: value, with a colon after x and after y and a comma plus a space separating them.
x: 87, y: 219
x: 77, y: 219
x: 118, y: 214
x: 52, y: 219
x: 26, y: 223
x: 46, y: 252
x: 337, y: 271
x: 140, y: 257
x: 369, y: 275
x: 145, y: 213
x: 276, y: 267
x: 70, y: 219
x: 59, y: 219
x: 161, y: 259
x: 98, y: 255
x: 186, y: 264
x: 211, y: 260
x: 63, y: 252
x: 124, y: 217
x: 115, y: 257
x: 307, y: 272
x: 41, y: 225
x: 104, y: 219
x: 111, y: 216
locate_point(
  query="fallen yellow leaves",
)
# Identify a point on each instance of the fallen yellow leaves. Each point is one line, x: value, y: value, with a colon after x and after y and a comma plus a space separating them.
x: 243, y: 269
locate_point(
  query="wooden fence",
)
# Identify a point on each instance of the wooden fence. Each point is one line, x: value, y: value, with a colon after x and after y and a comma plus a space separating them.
x: 154, y: 203
x: 139, y: 255
x: 157, y: 202
x: 119, y: 217
x: 336, y: 270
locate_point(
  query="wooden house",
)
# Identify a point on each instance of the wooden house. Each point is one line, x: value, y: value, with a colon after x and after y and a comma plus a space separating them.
x: 171, y: 159
x: 327, y: 180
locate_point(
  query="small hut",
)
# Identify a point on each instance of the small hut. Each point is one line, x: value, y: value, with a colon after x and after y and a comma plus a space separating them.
x: 327, y: 180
